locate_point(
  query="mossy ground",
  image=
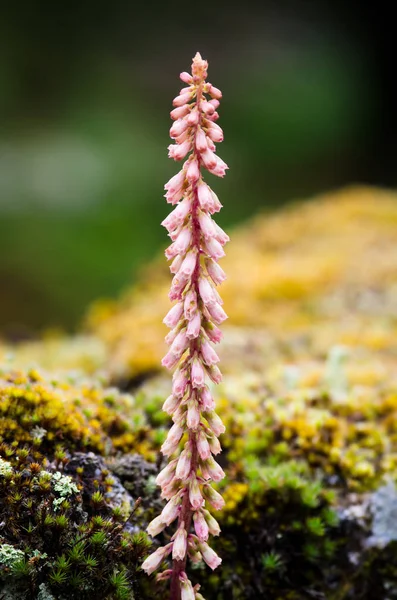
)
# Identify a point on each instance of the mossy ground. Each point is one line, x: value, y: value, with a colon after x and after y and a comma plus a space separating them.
x: 309, y: 399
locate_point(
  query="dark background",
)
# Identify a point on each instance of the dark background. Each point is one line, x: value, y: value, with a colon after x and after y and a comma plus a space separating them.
x: 85, y: 91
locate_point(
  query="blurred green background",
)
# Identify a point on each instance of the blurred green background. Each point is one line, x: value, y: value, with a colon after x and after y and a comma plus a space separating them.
x: 86, y: 89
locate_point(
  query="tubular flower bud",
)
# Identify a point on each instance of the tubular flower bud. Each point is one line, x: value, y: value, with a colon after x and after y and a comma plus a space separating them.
x: 179, y: 546
x: 173, y: 316
x: 154, y: 560
x: 156, y: 526
x: 171, y: 404
x: 206, y: 291
x: 187, y: 591
x: 197, y: 245
x: 180, y: 112
x: 195, y: 495
x: 184, y: 464
x: 171, y: 510
x: 197, y: 373
x: 206, y: 400
x: 200, y: 526
x: 182, y: 99
x: 187, y: 78
x: 208, y: 354
x: 166, y: 475
x: 209, y: 555
x: 213, y: 525
x: 216, y: 272
x: 194, y: 325
x: 213, y: 497
x: 203, y: 446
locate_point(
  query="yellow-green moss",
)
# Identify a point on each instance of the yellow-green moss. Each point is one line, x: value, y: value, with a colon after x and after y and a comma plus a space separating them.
x: 311, y: 276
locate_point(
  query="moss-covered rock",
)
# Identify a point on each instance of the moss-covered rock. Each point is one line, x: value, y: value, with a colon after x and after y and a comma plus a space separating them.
x: 309, y: 399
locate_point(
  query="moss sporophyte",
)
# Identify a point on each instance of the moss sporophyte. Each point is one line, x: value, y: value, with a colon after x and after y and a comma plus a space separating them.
x: 197, y: 245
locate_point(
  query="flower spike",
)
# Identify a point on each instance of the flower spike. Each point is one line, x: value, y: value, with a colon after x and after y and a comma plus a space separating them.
x: 197, y: 245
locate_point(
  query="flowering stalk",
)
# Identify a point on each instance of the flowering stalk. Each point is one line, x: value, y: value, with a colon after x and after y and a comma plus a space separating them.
x: 197, y: 245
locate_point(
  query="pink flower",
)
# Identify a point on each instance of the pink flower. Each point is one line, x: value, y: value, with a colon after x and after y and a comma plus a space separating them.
x: 214, y: 92
x: 194, y: 326
x: 219, y: 169
x: 178, y: 215
x: 193, y: 172
x: 209, y: 355
x: 190, y: 304
x: 207, y: 107
x: 179, y: 151
x: 213, y: 525
x: 207, y: 401
x: 156, y: 526
x: 189, y: 264
x: 206, y: 291
x: 169, y: 338
x: 184, y: 464
x: 217, y: 313
x: 203, y: 446
x: 183, y: 241
x: 196, y: 239
x: 180, y: 343
x: 179, y: 546
x: 170, y: 360
x: 166, y: 475
x: 204, y: 196
x: 154, y: 560
x: 172, y: 441
x: 171, y: 404
x: 215, y: 445
x: 193, y: 415
x: 215, y: 422
x: 179, y: 416
x: 187, y: 592
x: 173, y: 315
x: 193, y: 118
x: 207, y: 225
x: 174, y: 187
x: 182, y: 99
x: 169, y: 490
x: 214, y: 470
x: 195, y: 496
x: 209, y: 159
x: 215, y: 103
x: 180, y: 112
x: 187, y: 78
x: 176, y: 264
x: 213, y: 497
x: 214, y: 249
x: 209, y: 555
x: 198, y: 375
x: 171, y: 510
x: 216, y: 272
x: 200, y: 526
x: 213, y: 332
x: 178, y: 127
x: 214, y: 132
x: 201, y: 142
x: 214, y: 373
x: 179, y: 385
x: 220, y: 235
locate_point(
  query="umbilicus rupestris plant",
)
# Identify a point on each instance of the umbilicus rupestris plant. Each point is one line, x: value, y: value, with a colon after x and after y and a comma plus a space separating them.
x: 197, y: 245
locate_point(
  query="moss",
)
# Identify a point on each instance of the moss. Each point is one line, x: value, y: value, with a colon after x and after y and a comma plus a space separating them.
x: 315, y: 275
x: 56, y: 534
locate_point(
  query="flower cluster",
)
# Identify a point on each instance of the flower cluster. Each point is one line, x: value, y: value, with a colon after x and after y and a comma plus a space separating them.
x: 197, y: 245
